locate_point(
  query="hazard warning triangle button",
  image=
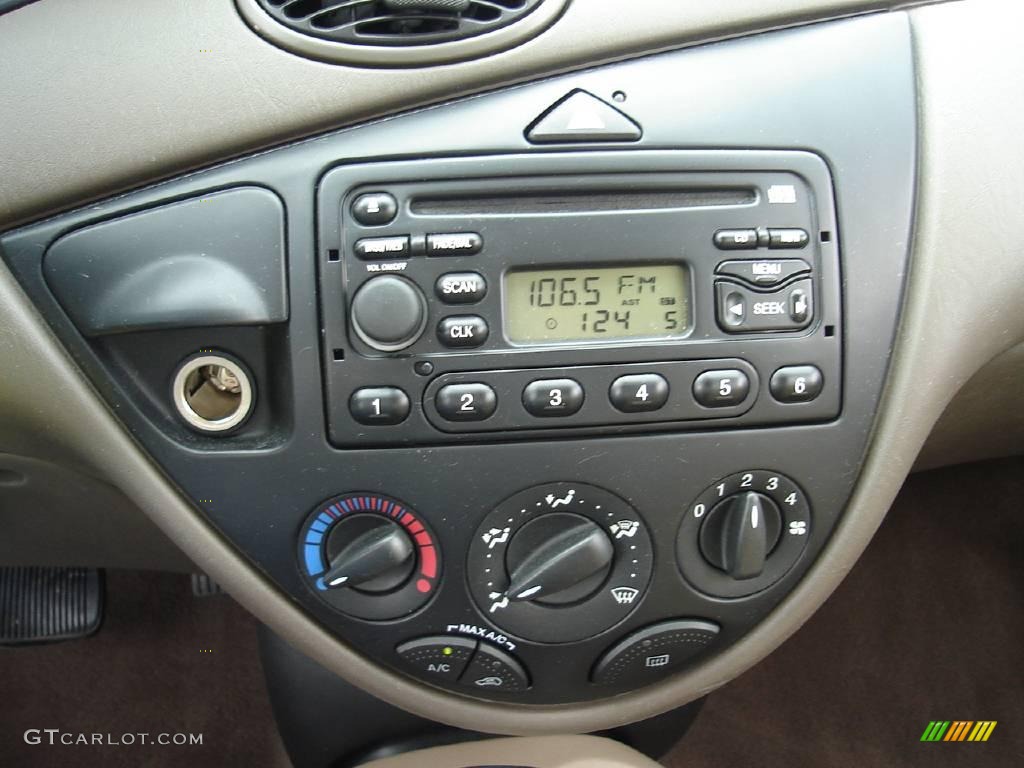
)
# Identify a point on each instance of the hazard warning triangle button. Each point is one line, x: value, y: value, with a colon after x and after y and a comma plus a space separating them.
x: 582, y: 117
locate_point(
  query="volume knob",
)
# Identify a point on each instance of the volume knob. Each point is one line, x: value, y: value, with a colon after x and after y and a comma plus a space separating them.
x: 389, y: 313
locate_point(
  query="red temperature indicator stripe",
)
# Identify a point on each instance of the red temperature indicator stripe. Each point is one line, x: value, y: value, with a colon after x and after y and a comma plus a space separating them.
x: 428, y: 561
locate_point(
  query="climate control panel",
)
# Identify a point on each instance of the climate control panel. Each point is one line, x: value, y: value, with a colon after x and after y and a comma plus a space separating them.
x: 560, y: 565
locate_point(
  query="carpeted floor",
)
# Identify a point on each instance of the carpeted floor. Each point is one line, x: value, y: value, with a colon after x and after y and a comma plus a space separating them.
x: 163, y: 662
x: 929, y: 625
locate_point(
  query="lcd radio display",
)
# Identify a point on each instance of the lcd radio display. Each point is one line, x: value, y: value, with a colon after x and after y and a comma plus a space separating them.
x: 597, y: 304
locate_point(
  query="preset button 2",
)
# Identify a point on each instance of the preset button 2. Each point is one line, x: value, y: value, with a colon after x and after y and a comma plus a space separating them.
x: 466, y: 402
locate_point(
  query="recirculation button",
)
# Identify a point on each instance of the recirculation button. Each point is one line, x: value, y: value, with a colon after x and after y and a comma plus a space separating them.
x: 494, y: 670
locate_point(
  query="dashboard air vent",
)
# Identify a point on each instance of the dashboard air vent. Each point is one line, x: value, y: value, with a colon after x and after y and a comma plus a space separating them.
x: 399, y: 32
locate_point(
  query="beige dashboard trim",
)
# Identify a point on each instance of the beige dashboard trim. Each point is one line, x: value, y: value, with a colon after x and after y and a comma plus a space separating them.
x: 535, y: 752
x: 972, y: 118
x: 135, y: 92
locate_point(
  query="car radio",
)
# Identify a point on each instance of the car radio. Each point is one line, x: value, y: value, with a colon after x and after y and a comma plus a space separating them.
x: 540, y: 301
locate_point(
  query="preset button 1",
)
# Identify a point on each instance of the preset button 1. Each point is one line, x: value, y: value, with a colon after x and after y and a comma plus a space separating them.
x: 379, y: 405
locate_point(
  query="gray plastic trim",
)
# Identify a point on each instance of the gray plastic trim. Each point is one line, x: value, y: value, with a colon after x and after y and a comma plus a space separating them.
x: 400, y: 56
x: 113, y: 277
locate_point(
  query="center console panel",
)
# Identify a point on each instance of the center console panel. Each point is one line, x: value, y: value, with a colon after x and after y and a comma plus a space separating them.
x: 523, y: 420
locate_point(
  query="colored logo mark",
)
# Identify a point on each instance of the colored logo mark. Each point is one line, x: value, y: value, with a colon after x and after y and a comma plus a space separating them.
x: 958, y: 730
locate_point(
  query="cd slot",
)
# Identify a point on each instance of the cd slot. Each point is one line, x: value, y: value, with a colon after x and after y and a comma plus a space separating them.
x: 576, y: 201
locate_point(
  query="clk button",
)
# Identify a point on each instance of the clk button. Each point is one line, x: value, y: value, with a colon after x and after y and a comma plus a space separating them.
x: 462, y: 331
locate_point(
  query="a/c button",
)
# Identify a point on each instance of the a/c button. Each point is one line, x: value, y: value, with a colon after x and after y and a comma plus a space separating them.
x: 441, y: 657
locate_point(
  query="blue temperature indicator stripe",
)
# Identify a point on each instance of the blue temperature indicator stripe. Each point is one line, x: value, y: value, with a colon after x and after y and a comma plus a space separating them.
x: 345, y: 506
x: 325, y: 518
x: 312, y: 537
x: 314, y: 565
x: 318, y: 525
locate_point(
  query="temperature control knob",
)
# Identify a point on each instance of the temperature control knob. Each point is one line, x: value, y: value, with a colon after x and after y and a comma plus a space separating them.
x: 369, y: 556
x: 558, y: 558
x: 370, y: 553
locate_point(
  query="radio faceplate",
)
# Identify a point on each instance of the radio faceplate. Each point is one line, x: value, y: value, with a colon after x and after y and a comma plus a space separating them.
x: 643, y: 260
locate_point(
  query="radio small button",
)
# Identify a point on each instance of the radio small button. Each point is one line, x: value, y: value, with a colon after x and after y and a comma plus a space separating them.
x: 374, y: 209
x: 796, y: 384
x: 763, y: 272
x: 639, y: 392
x: 553, y: 397
x: 376, y: 248
x: 736, y: 239
x: 787, y: 238
x: 462, y: 331
x: 720, y: 389
x: 466, y: 402
x: 460, y: 288
x: 454, y: 244
x: 379, y: 405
